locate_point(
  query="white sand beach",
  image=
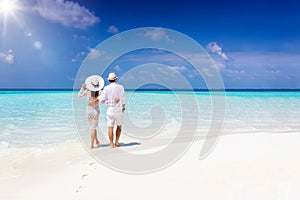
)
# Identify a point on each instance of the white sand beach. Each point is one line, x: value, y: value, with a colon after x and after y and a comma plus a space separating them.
x: 244, y: 166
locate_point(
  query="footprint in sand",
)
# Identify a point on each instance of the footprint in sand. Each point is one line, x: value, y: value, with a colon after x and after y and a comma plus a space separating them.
x: 80, y: 188
x: 93, y: 164
x: 84, y: 176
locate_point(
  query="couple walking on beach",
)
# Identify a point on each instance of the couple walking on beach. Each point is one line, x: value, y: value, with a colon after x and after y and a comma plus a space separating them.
x: 113, y: 96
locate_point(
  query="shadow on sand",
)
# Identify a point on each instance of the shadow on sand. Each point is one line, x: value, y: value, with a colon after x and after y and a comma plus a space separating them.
x: 122, y: 144
x: 129, y: 144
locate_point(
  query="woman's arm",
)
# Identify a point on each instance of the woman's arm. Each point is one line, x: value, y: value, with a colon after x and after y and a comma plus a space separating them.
x: 82, y: 92
x: 94, y: 101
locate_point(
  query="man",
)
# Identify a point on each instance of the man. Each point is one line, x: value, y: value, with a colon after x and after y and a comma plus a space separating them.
x: 113, y: 96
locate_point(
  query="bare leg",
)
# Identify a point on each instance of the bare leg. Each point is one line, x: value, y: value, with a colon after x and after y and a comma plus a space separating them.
x: 97, y: 141
x: 118, y: 134
x: 93, y: 137
x: 111, y: 136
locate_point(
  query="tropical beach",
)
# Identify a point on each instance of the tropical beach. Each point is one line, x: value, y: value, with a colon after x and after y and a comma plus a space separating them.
x: 205, y: 95
x: 256, y: 156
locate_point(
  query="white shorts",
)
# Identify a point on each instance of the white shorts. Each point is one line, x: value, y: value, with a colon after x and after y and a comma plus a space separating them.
x: 115, y: 118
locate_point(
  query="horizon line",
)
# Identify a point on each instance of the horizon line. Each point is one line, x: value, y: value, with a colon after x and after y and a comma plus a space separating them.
x: 164, y: 89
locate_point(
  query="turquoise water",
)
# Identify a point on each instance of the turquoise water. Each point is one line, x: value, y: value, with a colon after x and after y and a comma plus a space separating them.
x: 35, y: 117
x: 46, y: 117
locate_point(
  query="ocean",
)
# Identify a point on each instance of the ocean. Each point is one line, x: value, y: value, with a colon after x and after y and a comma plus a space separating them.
x: 42, y: 118
x: 38, y: 128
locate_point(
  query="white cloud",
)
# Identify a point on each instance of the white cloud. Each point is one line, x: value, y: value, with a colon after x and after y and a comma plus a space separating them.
x: 214, y: 48
x: 262, y: 66
x: 8, y: 57
x: 216, y: 53
x: 237, y: 74
x: 264, y: 59
x: 78, y: 56
x: 189, y: 72
x: 67, y: 13
x: 274, y: 73
x: 157, y: 34
x: 113, y: 29
x: 95, y: 54
x: 178, y: 68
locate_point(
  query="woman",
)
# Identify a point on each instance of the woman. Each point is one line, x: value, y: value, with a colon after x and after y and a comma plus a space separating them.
x: 92, y: 89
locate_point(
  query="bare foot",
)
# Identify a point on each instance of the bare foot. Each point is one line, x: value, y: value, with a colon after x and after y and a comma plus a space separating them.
x: 117, y: 144
x: 112, y: 146
x: 97, y: 143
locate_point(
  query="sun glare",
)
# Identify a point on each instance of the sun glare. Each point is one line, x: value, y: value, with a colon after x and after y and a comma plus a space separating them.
x: 7, y: 6
x: 8, y: 11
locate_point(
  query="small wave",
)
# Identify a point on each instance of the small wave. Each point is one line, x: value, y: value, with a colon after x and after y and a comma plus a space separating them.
x: 5, y: 133
x: 4, y: 145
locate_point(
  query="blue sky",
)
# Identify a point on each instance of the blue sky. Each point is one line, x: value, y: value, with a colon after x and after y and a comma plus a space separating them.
x: 255, y: 44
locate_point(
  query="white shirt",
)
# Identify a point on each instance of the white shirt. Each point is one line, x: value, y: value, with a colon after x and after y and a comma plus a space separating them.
x: 109, y: 94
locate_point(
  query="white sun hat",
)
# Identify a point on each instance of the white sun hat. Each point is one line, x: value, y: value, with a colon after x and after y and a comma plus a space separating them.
x: 112, y: 76
x: 94, y: 83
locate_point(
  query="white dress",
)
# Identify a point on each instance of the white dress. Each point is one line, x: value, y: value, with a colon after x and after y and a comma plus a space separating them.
x: 93, y: 111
